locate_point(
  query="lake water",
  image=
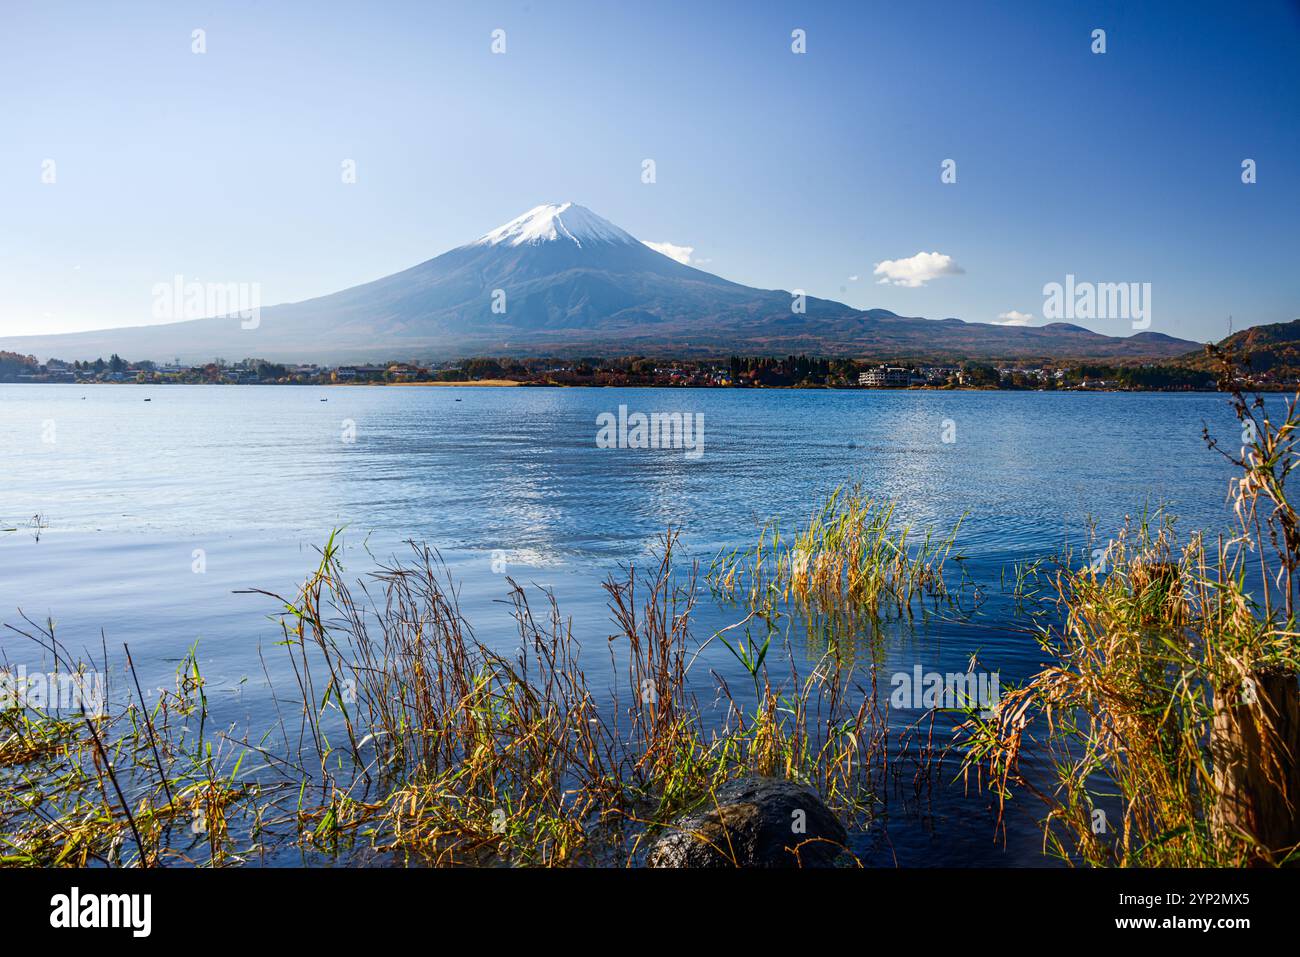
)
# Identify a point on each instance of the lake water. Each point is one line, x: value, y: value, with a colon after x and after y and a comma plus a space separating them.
x: 247, y: 481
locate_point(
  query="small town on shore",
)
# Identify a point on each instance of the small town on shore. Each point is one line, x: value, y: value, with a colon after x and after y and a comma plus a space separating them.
x: 736, y: 372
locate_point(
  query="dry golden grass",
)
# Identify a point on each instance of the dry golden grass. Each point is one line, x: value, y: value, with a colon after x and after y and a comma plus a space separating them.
x: 1169, y: 711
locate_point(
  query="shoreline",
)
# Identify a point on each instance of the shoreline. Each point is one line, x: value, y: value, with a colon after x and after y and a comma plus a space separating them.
x: 487, y: 383
x: 511, y: 383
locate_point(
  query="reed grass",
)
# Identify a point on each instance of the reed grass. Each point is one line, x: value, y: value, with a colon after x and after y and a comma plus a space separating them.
x: 413, y: 741
x: 851, y: 556
x: 475, y: 757
x: 1164, y: 730
x: 134, y: 788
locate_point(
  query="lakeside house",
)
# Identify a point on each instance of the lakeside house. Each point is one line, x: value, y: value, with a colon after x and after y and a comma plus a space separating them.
x: 362, y: 373
x: 939, y: 375
x: 406, y: 372
x: 889, y: 377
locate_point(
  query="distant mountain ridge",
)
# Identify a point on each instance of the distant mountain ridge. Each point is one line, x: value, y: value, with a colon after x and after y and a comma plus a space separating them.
x: 561, y: 280
x: 1273, y: 348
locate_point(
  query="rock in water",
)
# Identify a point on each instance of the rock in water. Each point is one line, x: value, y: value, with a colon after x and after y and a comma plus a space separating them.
x: 754, y: 822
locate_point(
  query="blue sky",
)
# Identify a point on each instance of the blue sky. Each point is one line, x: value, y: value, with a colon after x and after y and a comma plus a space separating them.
x: 780, y: 170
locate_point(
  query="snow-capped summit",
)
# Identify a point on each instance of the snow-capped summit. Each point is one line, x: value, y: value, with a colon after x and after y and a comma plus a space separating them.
x: 551, y: 222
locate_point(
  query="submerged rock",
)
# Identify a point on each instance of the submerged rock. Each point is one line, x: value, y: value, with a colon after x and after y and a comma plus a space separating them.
x: 754, y: 822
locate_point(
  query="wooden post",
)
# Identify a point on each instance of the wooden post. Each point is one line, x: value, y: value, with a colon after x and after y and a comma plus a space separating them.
x: 1255, y: 747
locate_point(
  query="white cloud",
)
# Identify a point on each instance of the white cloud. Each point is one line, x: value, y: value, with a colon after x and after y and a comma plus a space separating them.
x: 681, y: 253
x: 1014, y: 318
x: 916, y: 270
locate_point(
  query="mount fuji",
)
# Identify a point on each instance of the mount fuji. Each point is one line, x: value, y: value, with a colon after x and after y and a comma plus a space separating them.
x: 562, y: 280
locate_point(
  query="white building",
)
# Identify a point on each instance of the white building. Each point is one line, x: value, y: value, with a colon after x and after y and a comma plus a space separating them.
x: 888, y: 377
